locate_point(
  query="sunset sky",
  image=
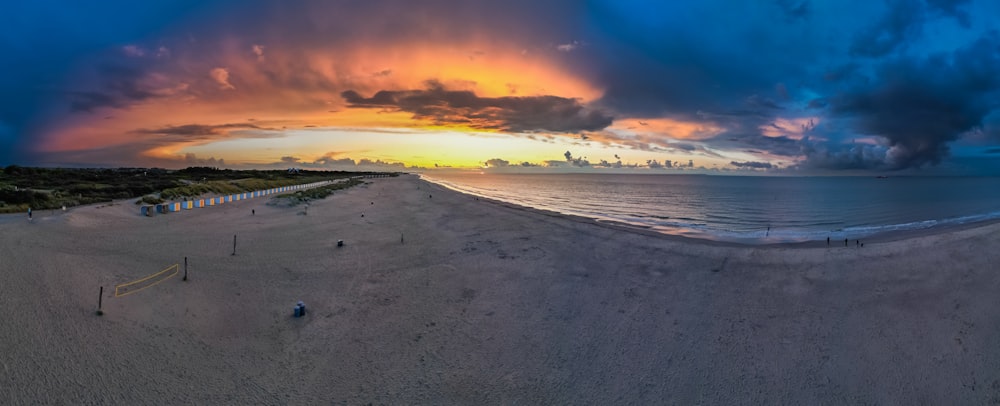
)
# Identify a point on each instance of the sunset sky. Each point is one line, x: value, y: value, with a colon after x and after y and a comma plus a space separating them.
x: 782, y: 86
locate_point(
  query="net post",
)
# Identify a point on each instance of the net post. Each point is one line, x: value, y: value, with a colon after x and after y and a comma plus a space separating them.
x: 185, y: 269
x: 100, y: 298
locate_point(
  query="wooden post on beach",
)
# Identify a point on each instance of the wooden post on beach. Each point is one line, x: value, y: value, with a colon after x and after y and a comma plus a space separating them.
x: 185, y: 269
x: 234, y: 244
x: 100, y: 298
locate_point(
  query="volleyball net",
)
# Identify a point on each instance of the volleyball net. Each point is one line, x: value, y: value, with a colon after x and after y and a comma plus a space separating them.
x: 129, y: 288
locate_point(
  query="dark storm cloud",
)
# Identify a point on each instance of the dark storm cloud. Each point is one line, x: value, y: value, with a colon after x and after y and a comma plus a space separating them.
x: 869, y: 79
x: 678, y: 60
x: 120, y: 86
x: 42, y: 42
x: 752, y: 165
x: 794, y: 9
x: 830, y: 156
x: 920, y: 105
x: 513, y: 113
x: 901, y: 22
x: 953, y: 8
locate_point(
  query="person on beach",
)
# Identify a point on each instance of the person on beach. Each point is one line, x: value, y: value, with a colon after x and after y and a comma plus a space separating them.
x: 253, y: 212
x: 845, y: 242
x: 827, y: 240
x: 29, y: 214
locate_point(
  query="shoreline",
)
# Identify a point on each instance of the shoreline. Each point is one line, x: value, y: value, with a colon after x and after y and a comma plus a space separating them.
x: 881, y: 237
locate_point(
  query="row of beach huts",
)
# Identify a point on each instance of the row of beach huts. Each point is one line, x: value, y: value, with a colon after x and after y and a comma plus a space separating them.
x: 164, y: 208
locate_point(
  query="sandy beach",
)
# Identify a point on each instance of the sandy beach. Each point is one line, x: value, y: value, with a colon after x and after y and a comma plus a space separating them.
x: 441, y: 298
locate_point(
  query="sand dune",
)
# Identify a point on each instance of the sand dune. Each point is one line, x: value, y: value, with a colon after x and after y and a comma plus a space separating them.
x: 452, y: 300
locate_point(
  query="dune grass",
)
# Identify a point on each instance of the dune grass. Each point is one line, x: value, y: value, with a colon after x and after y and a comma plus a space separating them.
x: 317, y: 193
x: 52, y: 188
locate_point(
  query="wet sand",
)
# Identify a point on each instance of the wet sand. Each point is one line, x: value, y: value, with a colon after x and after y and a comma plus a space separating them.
x: 453, y: 300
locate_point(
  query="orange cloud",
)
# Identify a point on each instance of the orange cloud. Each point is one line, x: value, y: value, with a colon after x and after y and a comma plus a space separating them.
x: 295, y: 89
x: 669, y: 128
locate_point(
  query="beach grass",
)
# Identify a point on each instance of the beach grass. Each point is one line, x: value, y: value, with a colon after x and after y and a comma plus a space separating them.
x: 52, y: 188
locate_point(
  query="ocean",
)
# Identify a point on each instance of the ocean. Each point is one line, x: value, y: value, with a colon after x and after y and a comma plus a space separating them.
x: 747, y: 209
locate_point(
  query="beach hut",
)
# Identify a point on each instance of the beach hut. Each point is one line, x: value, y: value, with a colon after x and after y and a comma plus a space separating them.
x: 161, y: 208
x: 245, y: 196
x: 174, y: 206
x: 146, y: 211
x: 187, y: 205
x: 199, y: 203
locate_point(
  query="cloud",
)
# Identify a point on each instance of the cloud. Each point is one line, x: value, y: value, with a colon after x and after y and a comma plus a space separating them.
x: 952, y: 8
x: 187, y: 132
x: 920, y: 105
x: 903, y: 20
x: 330, y: 159
x: 379, y: 164
x: 259, y: 51
x: 794, y: 9
x: 133, y: 51
x: 120, y: 84
x: 221, y: 76
x: 831, y: 156
x: 191, y: 159
x: 497, y: 163
x: 752, y: 165
x: 570, y: 47
x: 462, y: 107
x: 578, y: 162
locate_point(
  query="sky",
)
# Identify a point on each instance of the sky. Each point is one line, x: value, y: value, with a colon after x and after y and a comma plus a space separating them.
x: 714, y: 86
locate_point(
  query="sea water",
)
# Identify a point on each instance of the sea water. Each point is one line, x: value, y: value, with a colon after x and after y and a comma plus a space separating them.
x: 753, y: 209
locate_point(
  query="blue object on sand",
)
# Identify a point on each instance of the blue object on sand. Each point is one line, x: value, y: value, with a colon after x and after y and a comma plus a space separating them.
x: 297, y: 311
x: 302, y: 308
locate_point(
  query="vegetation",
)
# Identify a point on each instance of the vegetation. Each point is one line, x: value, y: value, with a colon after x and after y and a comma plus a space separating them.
x: 322, y: 192
x: 52, y: 188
